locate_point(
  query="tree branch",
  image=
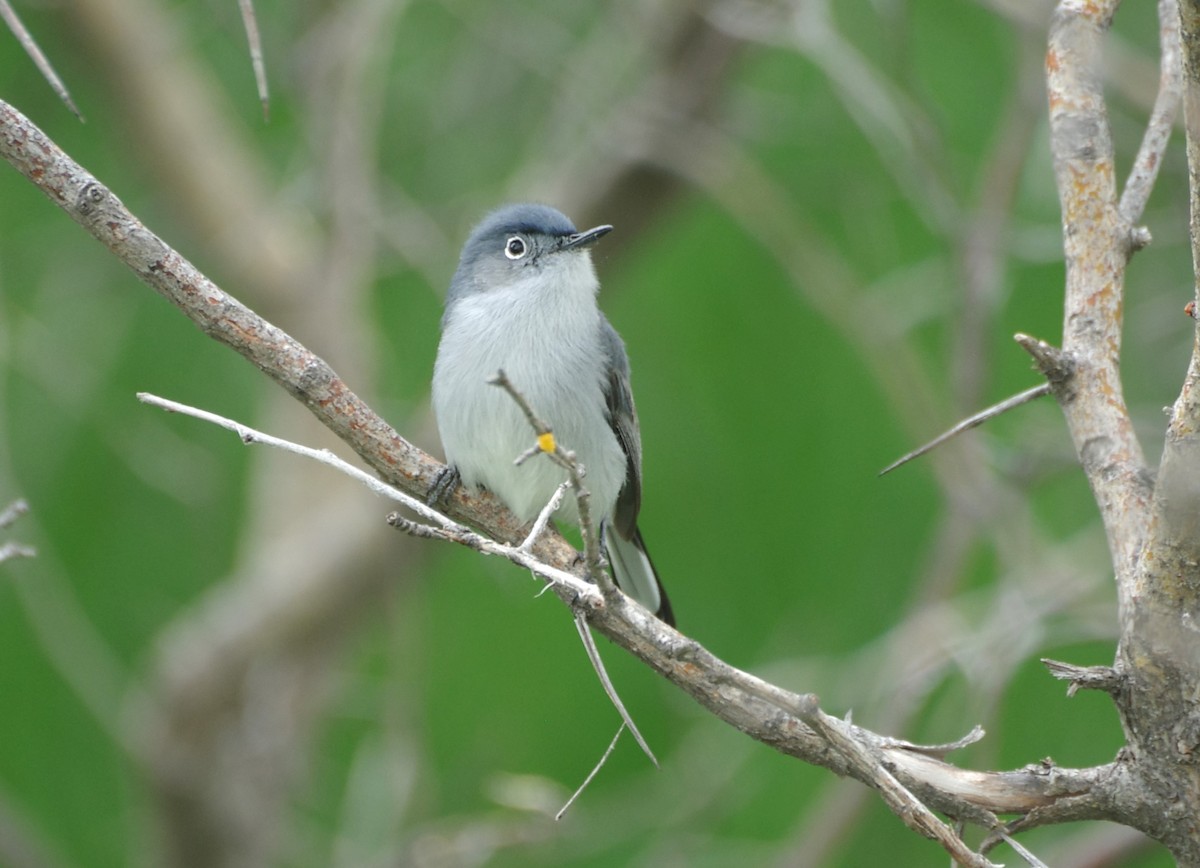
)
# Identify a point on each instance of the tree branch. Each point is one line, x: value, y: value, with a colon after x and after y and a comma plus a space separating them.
x: 304, y: 375
x: 789, y: 722
x: 1162, y: 119
x: 1153, y: 532
x: 1096, y: 245
x: 897, y: 769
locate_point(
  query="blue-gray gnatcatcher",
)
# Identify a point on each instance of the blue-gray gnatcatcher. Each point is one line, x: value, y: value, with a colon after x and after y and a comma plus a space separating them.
x: 524, y: 300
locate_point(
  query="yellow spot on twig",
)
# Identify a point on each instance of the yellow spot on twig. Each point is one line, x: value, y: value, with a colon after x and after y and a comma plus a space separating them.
x: 546, y: 441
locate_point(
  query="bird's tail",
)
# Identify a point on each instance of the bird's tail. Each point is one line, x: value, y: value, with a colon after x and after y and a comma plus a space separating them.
x: 634, y: 572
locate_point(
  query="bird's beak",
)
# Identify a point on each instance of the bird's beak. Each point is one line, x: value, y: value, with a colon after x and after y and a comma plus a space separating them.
x: 584, y: 239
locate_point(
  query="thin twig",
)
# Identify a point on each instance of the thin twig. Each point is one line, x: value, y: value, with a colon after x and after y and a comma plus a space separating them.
x: 594, y: 655
x: 903, y: 803
x: 938, y: 750
x: 761, y: 710
x: 971, y: 422
x: 595, y: 770
x: 305, y: 376
x: 585, y: 593
x: 447, y: 529
x: 25, y: 38
x: 548, y: 443
x: 1022, y: 851
x: 1162, y: 119
x: 543, y: 519
x: 250, y: 435
x: 564, y: 458
x: 250, y: 22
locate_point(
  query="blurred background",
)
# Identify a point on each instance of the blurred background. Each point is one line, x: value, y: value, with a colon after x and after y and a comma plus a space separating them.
x: 830, y: 220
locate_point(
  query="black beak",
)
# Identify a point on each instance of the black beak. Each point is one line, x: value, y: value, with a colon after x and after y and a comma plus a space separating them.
x: 583, y: 239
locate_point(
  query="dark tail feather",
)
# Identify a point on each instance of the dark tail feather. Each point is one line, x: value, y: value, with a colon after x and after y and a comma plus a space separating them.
x: 635, y: 573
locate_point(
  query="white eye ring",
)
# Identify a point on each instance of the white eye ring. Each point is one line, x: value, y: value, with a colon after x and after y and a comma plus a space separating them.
x: 515, y: 247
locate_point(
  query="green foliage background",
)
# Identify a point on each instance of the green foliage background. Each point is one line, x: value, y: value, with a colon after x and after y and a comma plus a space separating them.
x: 791, y: 277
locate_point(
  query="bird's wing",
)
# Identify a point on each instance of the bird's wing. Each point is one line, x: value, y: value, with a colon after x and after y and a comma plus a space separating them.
x: 622, y: 416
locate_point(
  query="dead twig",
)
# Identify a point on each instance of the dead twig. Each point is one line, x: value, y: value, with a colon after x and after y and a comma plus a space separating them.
x: 1162, y: 120
x: 548, y: 444
x: 250, y: 23
x: 443, y: 527
x: 971, y: 422
x: 592, y: 774
x: 593, y: 654
x: 26, y: 40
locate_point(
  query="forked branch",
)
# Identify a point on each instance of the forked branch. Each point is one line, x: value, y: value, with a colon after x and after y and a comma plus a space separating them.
x: 912, y: 780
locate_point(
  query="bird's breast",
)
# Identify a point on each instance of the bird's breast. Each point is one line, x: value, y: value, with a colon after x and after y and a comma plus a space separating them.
x: 552, y: 354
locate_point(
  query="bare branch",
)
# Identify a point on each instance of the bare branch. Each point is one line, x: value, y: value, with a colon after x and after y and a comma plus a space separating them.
x: 902, y: 803
x: 249, y: 435
x: 1185, y: 415
x: 547, y: 443
x: 595, y: 769
x: 1168, y: 586
x: 971, y: 422
x: 583, y: 593
x: 1162, y: 119
x: 718, y: 685
x: 1157, y: 654
x: 1096, y: 245
x: 1083, y: 162
x: 301, y: 372
x: 593, y: 654
x: 1022, y: 851
x: 773, y: 715
x: 1152, y: 529
x: 543, y: 519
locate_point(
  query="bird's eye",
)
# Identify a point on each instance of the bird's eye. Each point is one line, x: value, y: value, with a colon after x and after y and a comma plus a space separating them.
x: 515, y: 247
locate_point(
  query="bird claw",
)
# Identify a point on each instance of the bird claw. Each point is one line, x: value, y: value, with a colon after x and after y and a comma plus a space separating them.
x: 443, y: 485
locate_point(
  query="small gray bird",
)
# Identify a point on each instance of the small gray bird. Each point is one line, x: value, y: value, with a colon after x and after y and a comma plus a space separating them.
x: 523, y: 300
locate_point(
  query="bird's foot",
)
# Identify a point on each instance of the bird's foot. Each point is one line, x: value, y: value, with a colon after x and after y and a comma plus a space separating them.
x: 443, y: 485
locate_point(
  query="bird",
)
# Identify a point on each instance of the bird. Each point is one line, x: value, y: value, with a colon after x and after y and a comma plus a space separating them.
x: 523, y: 301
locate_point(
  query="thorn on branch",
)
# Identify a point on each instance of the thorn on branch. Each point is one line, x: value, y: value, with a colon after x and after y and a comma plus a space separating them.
x: 1139, y: 239
x: 1056, y: 365
x: 9, y: 16
x: 971, y: 422
x: 1085, y: 677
